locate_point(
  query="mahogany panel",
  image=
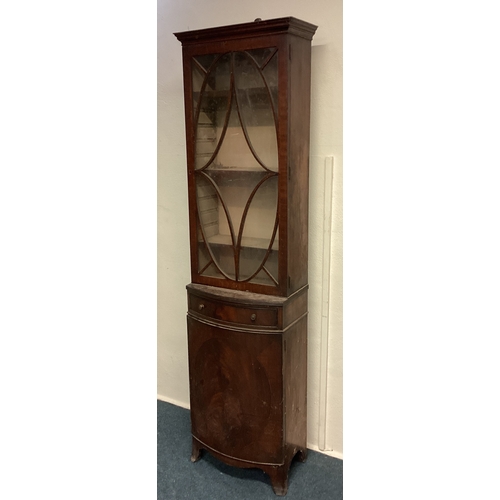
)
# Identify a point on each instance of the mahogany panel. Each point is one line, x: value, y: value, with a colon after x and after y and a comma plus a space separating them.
x: 298, y: 161
x: 236, y: 392
x: 295, y: 387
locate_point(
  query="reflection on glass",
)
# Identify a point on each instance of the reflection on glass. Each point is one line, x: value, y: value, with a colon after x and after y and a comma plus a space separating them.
x: 258, y: 230
x: 256, y: 111
x: 236, y: 165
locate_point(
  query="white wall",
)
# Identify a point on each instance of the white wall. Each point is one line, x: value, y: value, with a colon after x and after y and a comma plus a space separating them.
x: 324, y: 427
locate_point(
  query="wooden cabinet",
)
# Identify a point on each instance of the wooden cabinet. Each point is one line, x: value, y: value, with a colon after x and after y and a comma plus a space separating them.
x: 247, y: 100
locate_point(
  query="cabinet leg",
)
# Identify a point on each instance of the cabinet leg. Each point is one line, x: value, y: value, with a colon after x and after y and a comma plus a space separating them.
x: 196, y: 451
x: 279, y: 479
x: 302, y: 455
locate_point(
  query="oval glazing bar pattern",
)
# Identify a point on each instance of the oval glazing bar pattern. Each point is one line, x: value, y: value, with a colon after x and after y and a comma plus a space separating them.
x: 236, y: 164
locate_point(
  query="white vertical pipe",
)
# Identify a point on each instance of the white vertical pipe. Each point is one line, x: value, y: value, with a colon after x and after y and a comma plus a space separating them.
x: 325, y: 302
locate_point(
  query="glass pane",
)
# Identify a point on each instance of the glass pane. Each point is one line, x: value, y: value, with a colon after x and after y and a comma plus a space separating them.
x: 271, y: 264
x: 205, y: 61
x: 212, y: 272
x: 206, y: 266
x: 234, y: 152
x: 262, y: 56
x: 263, y: 278
x: 212, y: 106
x: 198, y: 77
x: 235, y: 188
x: 236, y: 165
x: 259, y: 228
x: 210, y: 212
x: 271, y: 75
x: 256, y: 110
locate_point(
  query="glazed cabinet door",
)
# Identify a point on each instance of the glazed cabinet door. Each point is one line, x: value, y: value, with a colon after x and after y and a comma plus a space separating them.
x: 236, y: 392
x: 235, y: 168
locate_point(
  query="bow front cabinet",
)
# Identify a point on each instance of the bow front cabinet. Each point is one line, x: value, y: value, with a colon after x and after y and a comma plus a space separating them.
x: 247, y: 106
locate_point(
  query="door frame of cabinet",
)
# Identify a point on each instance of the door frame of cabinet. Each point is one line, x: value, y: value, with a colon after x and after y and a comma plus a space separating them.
x: 292, y: 38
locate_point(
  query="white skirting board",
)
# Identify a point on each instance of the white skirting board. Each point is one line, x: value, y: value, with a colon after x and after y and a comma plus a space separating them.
x: 330, y: 453
x: 173, y: 401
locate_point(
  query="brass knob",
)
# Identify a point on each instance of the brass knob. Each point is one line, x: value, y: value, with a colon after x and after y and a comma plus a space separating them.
x: 253, y: 317
x: 201, y: 307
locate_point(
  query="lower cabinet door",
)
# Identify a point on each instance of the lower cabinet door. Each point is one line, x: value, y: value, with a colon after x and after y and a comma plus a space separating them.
x: 236, y: 391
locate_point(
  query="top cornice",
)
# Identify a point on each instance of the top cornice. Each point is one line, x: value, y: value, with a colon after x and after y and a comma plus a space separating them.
x: 281, y: 25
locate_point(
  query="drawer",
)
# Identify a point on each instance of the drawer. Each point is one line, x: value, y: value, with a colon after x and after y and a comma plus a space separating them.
x: 223, y: 311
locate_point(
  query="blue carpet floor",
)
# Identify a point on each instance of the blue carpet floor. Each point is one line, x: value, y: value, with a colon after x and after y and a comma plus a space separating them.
x: 319, y: 478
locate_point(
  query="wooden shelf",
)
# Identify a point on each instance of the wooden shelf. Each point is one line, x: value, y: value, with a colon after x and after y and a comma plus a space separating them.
x: 234, y: 173
x: 247, y: 242
x: 223, y: 94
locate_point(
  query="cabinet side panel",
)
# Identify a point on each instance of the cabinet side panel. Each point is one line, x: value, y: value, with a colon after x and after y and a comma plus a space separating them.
x: 295, y: 380
x: 236, y: 392
x: 295, y: 307
x: 298, y: 161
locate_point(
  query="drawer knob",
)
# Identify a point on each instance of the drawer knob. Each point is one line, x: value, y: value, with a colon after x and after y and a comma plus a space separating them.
x: 201, y: 307
x: 253, y: 317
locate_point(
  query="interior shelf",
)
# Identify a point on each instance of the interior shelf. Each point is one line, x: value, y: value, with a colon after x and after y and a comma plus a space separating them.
x: 234, y: 173
x: 223, y: 94
x: 246, y: 241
